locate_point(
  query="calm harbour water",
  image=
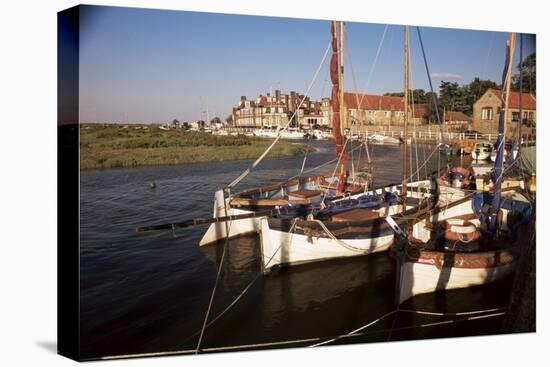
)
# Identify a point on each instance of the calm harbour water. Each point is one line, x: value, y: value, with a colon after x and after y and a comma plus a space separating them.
x: 149, y: 292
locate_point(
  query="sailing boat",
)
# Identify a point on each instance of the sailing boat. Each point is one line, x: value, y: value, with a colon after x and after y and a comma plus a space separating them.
x: 298, y: 192
x: 471, y: 241
x: 351, y: 231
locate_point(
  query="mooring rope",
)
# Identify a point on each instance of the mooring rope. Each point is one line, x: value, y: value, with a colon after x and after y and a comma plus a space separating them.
x: 371, y: 323
x: 212, y: 295
x: 482, y: 314
x: 258, y: 276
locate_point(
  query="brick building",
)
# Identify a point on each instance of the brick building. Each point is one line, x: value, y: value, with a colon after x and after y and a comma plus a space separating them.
x: 369, y: 109
x: 487, y: 110
x: 271, y: 111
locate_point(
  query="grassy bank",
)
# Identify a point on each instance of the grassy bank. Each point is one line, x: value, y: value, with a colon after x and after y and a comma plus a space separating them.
x: 116, y: 147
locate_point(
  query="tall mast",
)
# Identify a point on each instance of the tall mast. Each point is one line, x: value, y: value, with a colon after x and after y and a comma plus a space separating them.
x: 497, y: 173
x: 341, y: 70
x: 520, y: 90
x: 335, y: 96
x: 406, y: 116
x: 343, y: 122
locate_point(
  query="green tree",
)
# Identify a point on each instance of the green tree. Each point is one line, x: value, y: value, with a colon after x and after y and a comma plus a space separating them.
x: 215, y: 120
x: 229, y: 120
x: 418, y: 95
x: 529, y: 70
x: 430, y: 108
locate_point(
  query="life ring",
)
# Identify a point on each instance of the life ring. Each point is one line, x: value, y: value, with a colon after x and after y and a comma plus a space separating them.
x: 462, y: 230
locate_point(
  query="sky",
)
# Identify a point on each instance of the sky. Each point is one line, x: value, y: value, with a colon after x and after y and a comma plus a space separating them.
x: 143, y: 65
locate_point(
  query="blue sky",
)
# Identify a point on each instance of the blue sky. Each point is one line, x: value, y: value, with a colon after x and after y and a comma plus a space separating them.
x: 145, y: 65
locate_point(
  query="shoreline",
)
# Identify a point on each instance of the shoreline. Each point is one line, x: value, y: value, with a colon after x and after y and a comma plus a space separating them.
x: 112, y: 147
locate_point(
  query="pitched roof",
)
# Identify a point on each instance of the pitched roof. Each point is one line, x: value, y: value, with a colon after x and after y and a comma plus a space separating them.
x: 373, y: 102
x: 455, y: 116
x: 382, y: 103
x: 528, y: 101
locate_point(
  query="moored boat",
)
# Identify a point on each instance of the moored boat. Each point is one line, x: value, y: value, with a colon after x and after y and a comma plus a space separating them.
x: 453, y: 248
x: 472, y: 241
x: 482, y: 151
x: 302, y: 191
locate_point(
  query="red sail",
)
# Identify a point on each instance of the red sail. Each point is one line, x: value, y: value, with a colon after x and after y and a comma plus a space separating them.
x: 334, y: 77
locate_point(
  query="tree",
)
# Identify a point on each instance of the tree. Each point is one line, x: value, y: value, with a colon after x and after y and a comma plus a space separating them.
x: 418, y: 95
x: 229, y: 120
x: 529, y: 70
x: 430, y: 108
x: 216, y: 120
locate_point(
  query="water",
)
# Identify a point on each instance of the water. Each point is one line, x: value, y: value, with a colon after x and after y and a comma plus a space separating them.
x: 149, y: 292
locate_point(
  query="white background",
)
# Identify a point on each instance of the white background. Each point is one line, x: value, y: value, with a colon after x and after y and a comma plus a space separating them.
x: 28, y: 182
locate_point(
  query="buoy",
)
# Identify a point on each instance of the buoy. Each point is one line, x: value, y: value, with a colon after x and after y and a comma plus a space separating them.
x: 462, y: 230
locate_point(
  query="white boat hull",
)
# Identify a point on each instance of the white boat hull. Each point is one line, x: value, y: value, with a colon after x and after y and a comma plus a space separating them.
x: 428, y: 274
x: 217, y: 231
x: 279, y: 248
x: 427, y: 277
x: 482, y: 156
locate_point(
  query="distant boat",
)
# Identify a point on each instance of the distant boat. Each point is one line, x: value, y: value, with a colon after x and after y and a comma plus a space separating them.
x: 382, y: 139
x: 482, y: 151
x: 291, y: 133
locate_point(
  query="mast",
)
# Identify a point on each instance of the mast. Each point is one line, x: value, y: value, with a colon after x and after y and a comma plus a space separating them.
x: 341, y: 70
x: 520, y: 91
x: 406, y: 117
x: 337, y: 98
x: 343, y: 122
x: 497, y: 174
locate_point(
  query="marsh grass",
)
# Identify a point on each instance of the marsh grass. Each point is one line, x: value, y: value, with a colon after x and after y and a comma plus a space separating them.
x: 116, y: 147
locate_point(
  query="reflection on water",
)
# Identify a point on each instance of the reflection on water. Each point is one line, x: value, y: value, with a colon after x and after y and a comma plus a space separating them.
x: 149, y: 292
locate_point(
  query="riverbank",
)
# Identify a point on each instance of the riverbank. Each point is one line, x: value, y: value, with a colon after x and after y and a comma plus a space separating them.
x: 118, y: 147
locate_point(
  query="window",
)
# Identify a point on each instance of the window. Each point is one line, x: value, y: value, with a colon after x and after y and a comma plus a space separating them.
x: 386, y: 113
x: 486, y: 113
x: 515, y: 116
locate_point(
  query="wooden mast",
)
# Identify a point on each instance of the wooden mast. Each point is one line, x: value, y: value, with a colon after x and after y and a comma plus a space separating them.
x: 512, y: 46
x: 501, y: 139
x: 406, y: 118
x: 343, y: 121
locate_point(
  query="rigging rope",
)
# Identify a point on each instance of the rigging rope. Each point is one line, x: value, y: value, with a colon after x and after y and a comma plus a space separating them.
x: 258, y: 276
x: 434, y: 99
x: 211, y: 301
x: 265, y: 153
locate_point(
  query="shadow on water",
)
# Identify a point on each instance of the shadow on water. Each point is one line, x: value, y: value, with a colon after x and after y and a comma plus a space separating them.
x: 149, y: 292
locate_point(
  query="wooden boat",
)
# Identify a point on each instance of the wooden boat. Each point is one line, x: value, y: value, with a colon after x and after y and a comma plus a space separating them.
x: 453, y: 249
x: 295, y: 192
x: 353, y: 232
x: 357, y: 231
x: 482, y: 151
x: 472, y: 241
x: 303, y: 191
